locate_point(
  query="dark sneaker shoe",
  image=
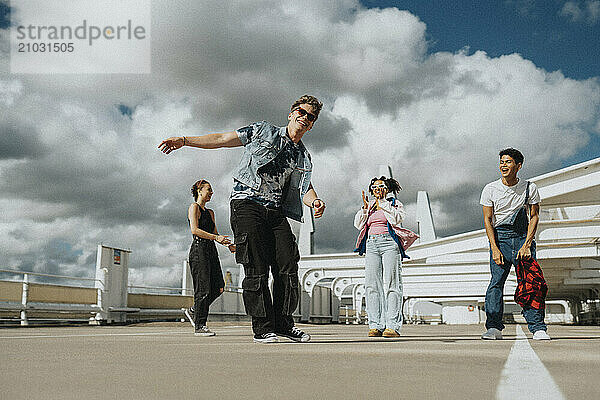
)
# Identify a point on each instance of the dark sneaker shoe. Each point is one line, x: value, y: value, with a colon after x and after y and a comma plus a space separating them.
x: 204, y: 331
x: 189, y: 313
x: 492, y: 334
x: 266, y: 338
x: 296, y: 335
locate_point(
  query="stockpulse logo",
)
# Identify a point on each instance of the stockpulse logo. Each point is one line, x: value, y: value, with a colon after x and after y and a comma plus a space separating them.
x: 82, y: 36
x: 85, y: 31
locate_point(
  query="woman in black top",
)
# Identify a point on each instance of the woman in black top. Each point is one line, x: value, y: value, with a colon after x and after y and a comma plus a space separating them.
x: 204, y: 259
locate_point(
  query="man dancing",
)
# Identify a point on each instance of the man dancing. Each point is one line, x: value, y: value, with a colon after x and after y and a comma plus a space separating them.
x: 270, y: 183
x: 511, y: 235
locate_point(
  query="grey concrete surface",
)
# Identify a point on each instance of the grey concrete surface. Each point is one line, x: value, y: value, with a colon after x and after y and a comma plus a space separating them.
x: 166, y: 361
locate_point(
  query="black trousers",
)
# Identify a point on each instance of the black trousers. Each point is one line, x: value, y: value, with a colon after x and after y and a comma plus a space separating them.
x: 207, y: 277
x: 264, y: 240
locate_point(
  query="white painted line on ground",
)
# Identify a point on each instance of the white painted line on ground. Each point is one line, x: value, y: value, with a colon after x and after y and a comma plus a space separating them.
x: 524, y: 375
x: 95, y: 335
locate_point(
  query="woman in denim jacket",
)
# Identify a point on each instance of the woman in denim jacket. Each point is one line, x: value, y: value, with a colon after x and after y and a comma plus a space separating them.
x: 384, y: 241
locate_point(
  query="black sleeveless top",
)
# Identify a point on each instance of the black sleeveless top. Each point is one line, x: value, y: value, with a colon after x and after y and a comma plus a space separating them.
x: 205, y: 222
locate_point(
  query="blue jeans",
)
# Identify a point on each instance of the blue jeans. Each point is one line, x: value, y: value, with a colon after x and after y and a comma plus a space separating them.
x: 383, y: 283
x: 509, y: 243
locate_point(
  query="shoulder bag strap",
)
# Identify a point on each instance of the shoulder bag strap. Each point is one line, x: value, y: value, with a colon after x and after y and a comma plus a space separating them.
x: 526, y: 205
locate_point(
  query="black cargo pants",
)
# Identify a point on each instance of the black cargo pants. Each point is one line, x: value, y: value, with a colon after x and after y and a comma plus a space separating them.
x: 207, y: 277
x: 264, y: 239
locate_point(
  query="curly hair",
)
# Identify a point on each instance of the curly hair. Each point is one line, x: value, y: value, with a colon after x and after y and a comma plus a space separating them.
x: 512, y: 153
x: 308, y: 99
x: 197, y: 186
x: 391, y: 184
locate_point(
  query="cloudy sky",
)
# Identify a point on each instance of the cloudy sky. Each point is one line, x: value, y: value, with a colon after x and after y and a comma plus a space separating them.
x: 434, y: 89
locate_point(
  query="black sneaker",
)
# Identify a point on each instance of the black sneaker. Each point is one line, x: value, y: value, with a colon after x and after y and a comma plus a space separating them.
x: 266, y: 338
x: 189, y: 313
x: 296, y: 335
x: 204, y: 331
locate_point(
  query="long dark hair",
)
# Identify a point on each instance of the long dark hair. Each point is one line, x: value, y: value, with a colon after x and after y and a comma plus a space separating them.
x: 391, y: 184
x: 197, y: 186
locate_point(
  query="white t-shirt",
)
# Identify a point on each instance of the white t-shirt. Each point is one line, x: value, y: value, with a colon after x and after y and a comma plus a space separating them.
x: 507, y: 199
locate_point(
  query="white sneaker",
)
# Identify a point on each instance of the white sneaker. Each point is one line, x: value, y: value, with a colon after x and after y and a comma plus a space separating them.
x: 541, y: 335
x: 492, y: 334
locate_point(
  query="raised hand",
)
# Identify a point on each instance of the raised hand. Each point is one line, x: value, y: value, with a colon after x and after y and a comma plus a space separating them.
x: 365, y: 200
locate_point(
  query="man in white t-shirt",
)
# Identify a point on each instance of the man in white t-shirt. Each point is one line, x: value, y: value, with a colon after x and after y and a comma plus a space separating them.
x: 511, y: 237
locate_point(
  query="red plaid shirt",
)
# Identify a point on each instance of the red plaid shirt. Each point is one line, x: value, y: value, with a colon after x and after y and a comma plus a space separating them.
x: 531, y: 285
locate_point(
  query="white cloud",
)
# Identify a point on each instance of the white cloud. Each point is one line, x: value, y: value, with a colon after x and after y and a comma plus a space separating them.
x: 9, y: 90
x: 523, y: 7
x: 74, y: 172
x: 587, y: 12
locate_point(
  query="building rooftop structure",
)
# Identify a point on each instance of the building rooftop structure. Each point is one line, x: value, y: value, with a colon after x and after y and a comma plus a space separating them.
x: 454, y: 271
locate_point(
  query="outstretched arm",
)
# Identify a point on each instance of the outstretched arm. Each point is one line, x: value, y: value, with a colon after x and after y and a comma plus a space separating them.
x: 210, y: 141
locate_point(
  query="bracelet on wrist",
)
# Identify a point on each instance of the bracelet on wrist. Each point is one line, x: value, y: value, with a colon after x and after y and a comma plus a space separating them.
x: 183, y: 140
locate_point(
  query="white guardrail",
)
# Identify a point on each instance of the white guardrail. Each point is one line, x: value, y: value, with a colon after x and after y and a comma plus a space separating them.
x: 26, y: 306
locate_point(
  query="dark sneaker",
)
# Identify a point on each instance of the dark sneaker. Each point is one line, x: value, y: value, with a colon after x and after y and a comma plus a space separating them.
x: 296, y: 335
x: 266, y: 338
x: 492, y: 334
x: 189, y: 313
x: 204, y: 331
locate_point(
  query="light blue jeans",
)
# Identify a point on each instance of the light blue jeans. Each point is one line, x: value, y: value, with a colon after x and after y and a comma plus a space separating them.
x: 383, y: 282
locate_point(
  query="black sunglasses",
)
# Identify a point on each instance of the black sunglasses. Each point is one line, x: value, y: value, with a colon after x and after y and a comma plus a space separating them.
x: 303, y: 112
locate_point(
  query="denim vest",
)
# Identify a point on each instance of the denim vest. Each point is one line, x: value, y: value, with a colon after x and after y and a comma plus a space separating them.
x: 264, y: 146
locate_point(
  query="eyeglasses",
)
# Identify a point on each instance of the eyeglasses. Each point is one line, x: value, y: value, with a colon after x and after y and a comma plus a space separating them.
x: 380, y: 186
x: 303, y: 112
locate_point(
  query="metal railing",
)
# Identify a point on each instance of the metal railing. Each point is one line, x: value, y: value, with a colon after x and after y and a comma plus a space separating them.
x: 182, y: 291
x: 25, y: 305
x: 29, y: 273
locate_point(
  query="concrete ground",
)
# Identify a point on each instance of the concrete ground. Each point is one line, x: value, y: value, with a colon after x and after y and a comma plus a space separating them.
x: 166, y: 361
